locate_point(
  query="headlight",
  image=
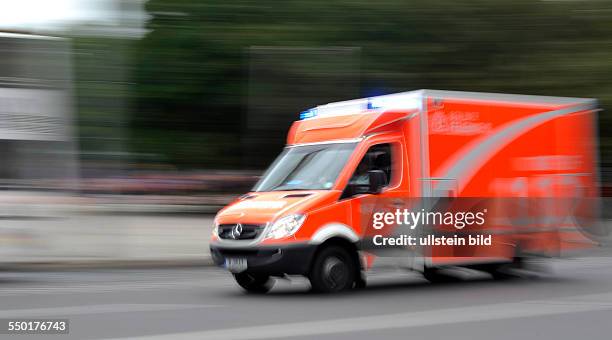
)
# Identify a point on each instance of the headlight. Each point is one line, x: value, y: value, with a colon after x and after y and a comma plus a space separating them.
x: 285, y: 226
x: 215, y: 229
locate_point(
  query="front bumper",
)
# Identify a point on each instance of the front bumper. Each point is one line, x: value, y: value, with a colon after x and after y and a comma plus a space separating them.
x: 270, y: 260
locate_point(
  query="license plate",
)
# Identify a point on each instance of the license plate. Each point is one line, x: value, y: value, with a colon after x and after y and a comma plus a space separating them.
x: 236, y: 265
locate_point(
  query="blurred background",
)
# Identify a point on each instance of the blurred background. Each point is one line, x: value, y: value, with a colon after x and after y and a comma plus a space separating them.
x: 126, y: 124
x: 176, y: 106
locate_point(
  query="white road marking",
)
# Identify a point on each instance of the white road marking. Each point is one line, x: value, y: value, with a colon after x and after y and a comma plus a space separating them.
x: 111, y: 287
x: 95, y: 309
x: 500, y: 311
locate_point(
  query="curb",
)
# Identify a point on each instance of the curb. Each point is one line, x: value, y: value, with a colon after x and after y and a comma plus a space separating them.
x: 104, y: 264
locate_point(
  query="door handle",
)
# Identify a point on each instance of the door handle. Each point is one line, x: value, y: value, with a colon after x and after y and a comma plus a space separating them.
x: 397, y: 203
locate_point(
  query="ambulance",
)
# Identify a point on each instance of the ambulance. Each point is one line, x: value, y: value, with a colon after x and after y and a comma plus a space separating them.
x: 309, y: 213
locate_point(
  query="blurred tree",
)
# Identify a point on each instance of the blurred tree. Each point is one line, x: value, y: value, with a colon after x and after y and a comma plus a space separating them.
x: 102, y: 94
x: 191, y: 78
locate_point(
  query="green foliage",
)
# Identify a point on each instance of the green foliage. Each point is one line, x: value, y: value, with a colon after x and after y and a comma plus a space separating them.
x: 191, y: 70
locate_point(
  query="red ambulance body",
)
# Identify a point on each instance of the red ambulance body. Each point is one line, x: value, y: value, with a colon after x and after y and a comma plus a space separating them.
x: 306, y: 214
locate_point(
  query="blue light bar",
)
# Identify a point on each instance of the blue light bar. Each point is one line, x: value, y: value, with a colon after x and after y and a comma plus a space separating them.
x: 398, y: 101
x: 372, y: 106
x: 308, y: 113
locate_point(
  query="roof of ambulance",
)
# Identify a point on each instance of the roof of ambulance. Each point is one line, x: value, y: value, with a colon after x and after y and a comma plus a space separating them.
x: 356, y: 118
x: 504, y: 97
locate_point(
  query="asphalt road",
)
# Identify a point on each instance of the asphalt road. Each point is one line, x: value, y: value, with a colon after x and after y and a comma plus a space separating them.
x: 574, y: 301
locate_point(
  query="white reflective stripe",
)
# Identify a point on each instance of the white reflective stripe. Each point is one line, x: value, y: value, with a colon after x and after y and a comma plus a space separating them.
x: 334, y: 230
x: 472, y: 160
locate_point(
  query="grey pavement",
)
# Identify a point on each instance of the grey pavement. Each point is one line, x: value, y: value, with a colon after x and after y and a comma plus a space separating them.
x: 52, y: 237
x: 573, y: 300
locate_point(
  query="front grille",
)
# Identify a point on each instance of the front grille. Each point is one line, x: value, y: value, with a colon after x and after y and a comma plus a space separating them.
x: 249, y: 231
x: 228, y: 252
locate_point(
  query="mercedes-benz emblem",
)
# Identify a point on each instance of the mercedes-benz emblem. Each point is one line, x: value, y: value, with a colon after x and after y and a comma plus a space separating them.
x: 236, y: 231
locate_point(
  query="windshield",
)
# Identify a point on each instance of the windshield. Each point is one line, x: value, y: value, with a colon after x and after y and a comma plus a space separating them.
x: 309, y: 167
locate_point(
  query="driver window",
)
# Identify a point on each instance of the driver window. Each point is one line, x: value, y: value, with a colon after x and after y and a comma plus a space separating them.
x: 378, y: 157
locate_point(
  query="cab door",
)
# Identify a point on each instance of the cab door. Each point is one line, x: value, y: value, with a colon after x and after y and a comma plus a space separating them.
x: 387, y: 155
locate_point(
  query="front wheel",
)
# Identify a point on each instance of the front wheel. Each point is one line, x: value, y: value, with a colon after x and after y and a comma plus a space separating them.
x: 254, y: 283
x: 333, y: 270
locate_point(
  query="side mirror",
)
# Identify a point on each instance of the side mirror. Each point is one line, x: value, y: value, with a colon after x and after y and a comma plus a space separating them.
x: 378, y: 179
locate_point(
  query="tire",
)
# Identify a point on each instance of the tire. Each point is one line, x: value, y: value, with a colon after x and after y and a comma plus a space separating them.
x: 505, y: 271
x: 254, y: 283
x: 333, y: 270
x: 360, y: 282
x: 500, y: 274
x: 433, y: 275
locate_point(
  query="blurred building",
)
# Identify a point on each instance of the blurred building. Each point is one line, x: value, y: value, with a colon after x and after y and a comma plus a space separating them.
x: 36, y: 123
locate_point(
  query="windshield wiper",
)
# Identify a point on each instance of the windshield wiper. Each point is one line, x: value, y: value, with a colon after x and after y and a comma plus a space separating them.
x: 283, y: 188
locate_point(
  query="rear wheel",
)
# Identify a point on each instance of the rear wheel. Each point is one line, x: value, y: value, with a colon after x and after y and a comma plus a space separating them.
x: 333, y: 270
x: 434, y: 275
x: 505, y: 271
x: 254, y: 283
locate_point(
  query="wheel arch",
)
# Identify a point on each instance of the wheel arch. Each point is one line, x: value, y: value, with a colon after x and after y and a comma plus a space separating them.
x: 344, y: 243
x: 338, y: 234
x: 334, y: 230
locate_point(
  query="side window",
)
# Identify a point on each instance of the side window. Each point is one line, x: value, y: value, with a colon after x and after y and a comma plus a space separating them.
x: 378, y: 157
